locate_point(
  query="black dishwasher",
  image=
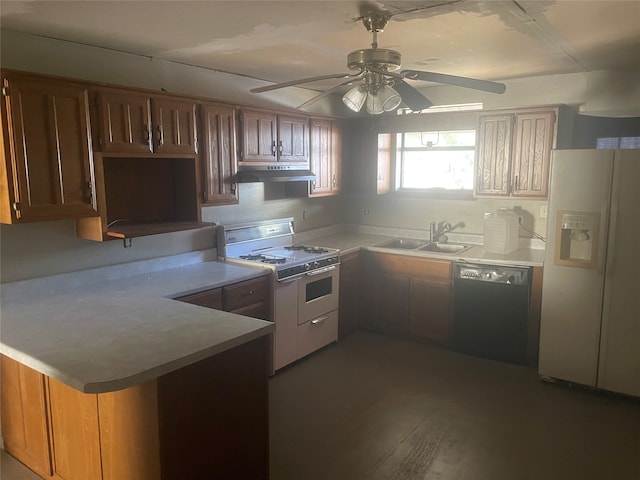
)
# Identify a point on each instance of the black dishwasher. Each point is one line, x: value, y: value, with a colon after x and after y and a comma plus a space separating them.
x: 490, y: 311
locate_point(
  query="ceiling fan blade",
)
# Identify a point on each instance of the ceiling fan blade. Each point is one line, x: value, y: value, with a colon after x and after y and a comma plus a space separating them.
x: 313, y: 100
x: 466, y: 82
x: 411, y: 97
x: 302, y: 80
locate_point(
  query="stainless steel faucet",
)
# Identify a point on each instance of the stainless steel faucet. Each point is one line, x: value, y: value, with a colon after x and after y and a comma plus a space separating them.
x: 437, y: 231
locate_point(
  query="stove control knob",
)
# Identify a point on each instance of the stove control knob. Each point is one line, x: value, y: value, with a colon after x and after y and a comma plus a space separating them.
x: 316, y: 264
x: 307, y: 266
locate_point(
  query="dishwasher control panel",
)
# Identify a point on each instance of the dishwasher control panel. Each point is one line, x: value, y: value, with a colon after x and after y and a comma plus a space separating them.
x: 492, y: 273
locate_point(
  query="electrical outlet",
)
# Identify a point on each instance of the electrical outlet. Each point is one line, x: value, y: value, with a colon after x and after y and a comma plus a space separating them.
x: 305, y: 215
x: 365, y: 211
x: 543, y: 211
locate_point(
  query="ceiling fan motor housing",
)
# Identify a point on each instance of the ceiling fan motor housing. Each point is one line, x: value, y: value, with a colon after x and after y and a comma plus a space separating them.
x: 378, y: 58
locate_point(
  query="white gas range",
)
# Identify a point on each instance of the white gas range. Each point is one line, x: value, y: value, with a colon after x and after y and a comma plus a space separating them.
x: 306, y: 283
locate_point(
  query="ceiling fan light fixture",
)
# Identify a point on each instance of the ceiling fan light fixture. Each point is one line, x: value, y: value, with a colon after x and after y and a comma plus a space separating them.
x: 389, y: 98
x: 374, y: 104
x: 355, y: 98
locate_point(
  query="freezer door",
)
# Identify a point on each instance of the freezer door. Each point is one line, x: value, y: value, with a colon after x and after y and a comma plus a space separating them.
x: 619, y: 367
x: 571, y: 295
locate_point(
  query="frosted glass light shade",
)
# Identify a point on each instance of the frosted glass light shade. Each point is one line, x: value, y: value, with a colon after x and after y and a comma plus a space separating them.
x: 354, y: 98
x: 389, y: 98
x: 374, y: 104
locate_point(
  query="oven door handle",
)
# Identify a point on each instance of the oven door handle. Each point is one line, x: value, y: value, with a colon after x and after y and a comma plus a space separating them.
x: 319, y: 271
x: 318, y: 320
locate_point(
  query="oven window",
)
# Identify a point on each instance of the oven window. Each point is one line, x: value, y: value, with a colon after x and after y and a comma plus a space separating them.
x: 319, y: 288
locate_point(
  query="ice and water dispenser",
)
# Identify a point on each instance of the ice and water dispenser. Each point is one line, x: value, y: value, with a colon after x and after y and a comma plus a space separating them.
x: 577, y: 238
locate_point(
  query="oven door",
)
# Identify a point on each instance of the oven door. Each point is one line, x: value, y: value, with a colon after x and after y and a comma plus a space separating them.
x: 318, y: 293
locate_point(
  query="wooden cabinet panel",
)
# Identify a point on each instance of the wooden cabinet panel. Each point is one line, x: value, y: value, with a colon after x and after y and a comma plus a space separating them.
x: 321, y: 153
x: 293, y: 139
x: 430, y: 311
x: 129, y: 433
x: 219, y: 155
x: 175, y: 124
x: 251, y: 298
x: 125, y: 121
x: 47, y: 166
x: 387, y: 309
x: 24, y: 415
x: 513, y: 153
x: 350, y: 294
x: 259, y: 132
x: 136, y: 122
x: 74, y: 433
x: 493, y: 154
x: 532, y: 154
x: 209, y: 298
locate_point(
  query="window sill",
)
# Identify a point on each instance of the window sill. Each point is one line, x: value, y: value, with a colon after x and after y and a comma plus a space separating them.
x: 436, y: 194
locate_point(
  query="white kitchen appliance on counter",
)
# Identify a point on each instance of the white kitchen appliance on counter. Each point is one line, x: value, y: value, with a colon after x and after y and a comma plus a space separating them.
x: 590, y: 324
x: 501, y: 232
x: 306, y: 283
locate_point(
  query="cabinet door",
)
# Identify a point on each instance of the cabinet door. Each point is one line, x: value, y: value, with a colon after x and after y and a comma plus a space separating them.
x: 48, y: 173
x: 493, y: 155
x: 293, y: 139
x: 321, y: 156
x: 534, y: 134
x: 430, y: 311
x: 219, y: 155
x: 387, y: 309
x: 75, y: 433
x: 350, y: 304
x: 174, y: 126
x: 259, y: 131
x: 24, y: 416
x: 125, y: 121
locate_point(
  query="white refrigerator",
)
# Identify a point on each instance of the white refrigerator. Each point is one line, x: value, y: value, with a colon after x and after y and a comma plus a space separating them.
x: 590, y: 323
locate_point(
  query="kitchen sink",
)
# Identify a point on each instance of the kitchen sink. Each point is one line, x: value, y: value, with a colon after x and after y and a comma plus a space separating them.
x: 445, y: 247
x: 404, y: 243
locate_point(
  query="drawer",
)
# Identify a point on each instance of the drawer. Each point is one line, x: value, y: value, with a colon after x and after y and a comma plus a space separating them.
x: 317, y: 333
x: 246, y: 293
x: 208, y: 298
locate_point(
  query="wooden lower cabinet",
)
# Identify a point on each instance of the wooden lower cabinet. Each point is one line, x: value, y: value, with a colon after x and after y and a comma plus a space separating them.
x: 406, y: 295
x: 350, y: 291
x: 207, y: 420
x: 24, y: 416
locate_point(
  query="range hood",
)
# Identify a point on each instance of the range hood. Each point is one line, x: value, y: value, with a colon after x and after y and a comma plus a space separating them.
x: 274, y: 173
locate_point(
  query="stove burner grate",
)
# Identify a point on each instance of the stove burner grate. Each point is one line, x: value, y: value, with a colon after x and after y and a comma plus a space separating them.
x: 307, y: 248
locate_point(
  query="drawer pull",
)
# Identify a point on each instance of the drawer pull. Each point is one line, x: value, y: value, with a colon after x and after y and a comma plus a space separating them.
x: 247, y: 294
x: 319, y: 320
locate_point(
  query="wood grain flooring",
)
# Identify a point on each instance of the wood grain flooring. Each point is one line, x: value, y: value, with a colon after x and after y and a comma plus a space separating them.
x: 376, y: 408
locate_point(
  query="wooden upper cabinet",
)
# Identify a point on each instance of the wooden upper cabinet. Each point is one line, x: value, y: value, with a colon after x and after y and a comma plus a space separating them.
x: 175, y: 124
x: 125, y: 121
x: 493, y: 154
x: 259, y: 133
x: 513, y: 153
x: 534, y: 135
x: 293, y: 139
x: 132, y: 122
x: 219, y: 155
x: 47, y: 171
x: 325, y: 149
x: 268, y: 137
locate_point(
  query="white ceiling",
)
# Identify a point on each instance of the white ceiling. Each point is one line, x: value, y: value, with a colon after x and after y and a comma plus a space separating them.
x: 279, y: 41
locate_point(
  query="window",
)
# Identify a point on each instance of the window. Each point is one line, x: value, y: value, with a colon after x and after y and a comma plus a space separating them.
x: 438, y: 161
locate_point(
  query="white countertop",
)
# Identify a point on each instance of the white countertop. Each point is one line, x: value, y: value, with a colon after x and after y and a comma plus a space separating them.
x: 348, y: 240
x: 107, y: 335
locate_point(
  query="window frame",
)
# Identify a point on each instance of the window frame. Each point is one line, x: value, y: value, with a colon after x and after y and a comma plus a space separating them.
x: 435, y: 192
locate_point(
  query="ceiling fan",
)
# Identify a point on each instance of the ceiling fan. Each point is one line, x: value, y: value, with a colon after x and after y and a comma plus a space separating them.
x: 378, y: 84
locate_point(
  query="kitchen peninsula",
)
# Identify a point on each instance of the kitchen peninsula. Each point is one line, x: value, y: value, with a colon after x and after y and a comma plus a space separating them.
x: 115, y: 379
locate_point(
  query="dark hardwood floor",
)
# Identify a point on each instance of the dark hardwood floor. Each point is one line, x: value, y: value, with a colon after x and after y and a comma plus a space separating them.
x: 376, y: 408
